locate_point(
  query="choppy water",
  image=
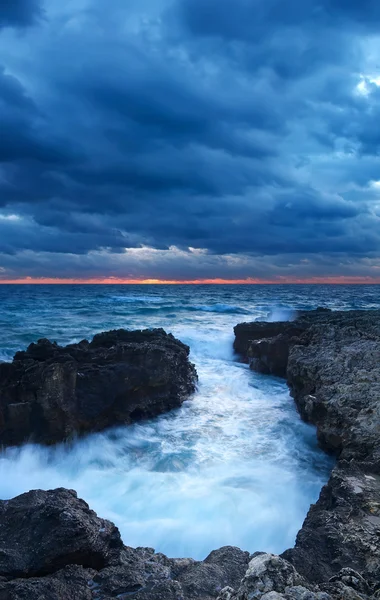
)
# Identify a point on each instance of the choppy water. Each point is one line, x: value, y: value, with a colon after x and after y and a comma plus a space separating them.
x: 235, y: 465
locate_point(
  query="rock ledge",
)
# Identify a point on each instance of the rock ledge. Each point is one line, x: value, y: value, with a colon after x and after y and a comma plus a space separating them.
x: 50, y: 393
x: 331, y: 361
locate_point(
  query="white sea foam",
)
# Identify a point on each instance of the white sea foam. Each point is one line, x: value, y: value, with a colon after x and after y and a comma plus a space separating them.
x: 136, y: 299
x: 235, y: 465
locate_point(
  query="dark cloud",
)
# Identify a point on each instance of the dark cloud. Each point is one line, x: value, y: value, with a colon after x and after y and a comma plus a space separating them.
x: 243, y: 130
x: 19, y: 13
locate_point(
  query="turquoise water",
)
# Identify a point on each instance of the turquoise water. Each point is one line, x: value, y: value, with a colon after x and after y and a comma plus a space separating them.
x: 234, y: 465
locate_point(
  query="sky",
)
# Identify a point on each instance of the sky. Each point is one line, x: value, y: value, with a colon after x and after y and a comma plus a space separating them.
x: 181, y: 140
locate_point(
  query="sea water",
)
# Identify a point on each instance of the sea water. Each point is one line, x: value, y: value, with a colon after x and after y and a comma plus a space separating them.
x: 234, y: 465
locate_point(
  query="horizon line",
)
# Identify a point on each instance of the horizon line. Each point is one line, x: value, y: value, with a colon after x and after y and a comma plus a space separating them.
x: 343, y: 280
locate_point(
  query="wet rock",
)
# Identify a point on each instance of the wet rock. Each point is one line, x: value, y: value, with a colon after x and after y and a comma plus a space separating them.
x: 331, y: 361
x: 246, y: 333
x: 341, y: 532
x: 71, y: 583
x: 50, y: 393
x: 267, y: 573
x: 53, y: 547
x: 224, y: 567
x: 41, y: 532
x: 270, y: 355
x: 270, y: 577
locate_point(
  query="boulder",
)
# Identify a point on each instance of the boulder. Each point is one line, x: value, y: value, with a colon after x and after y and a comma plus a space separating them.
x: 41, y: 532
x: 53, y: 547
x: 270, y: 577
x: 50, y: 393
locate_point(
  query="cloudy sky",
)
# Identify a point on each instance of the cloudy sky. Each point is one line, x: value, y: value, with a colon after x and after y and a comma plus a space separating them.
x: 190, y: 139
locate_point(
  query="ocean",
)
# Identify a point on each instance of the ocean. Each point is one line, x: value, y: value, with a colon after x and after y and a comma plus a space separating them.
x: 234, y: 465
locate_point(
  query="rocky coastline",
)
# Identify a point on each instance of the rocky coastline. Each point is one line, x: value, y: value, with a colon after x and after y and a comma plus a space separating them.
x: 50, y: 393
x: 53, y: 547
x: 331, y: 361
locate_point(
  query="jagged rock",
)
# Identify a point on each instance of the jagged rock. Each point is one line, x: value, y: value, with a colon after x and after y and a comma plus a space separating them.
x: 227, y: 593
x: 49, y: 393
x: 334, y: 377
x: 41, y: 532
x: 353, y: 579
x: 221, y: 568
x: 53, y: 547
x: 332, y: 364
x: 342, y: 531
x: 267, y: 573
x: 246, y: 333
x: 71, y: 583
x: 270, y: 577
x: 270, y: 355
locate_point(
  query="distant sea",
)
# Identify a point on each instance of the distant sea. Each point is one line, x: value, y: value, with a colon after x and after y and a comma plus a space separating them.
x: 234, y: 466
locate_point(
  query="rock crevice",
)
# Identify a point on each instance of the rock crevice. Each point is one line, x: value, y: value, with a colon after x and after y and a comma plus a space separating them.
x: 53, y: 547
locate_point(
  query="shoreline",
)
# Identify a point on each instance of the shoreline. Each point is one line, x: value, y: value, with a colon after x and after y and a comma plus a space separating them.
x: 335, y: 554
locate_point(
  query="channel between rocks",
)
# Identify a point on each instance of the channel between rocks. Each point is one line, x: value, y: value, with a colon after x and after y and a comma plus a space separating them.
x: 53, y: 546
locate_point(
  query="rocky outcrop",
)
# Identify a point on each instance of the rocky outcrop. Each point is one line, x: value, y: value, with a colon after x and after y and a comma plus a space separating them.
x: 41, y: 532
x: 331, y: 361
x: 266, y: 345
x: 50, y: 393
x: 247, y: 333
x: 270, y: 577
x: 342, y: 530
x: 53, y: 547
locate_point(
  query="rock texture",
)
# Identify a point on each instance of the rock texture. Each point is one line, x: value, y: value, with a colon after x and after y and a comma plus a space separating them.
x: 53, y: 547
x: 331, y: 361
x: 50, y: 393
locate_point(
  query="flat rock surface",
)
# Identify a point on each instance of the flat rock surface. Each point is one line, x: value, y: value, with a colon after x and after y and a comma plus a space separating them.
x: 50, y: 393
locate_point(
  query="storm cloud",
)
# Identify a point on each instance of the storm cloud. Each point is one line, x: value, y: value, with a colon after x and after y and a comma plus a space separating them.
x: 189, y: 139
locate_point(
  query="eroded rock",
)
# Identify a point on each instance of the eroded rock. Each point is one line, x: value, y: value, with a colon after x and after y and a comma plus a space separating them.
x: 41, y: 532
x: 50, y: 393
x: 53, y: 547
x: 331, y: 361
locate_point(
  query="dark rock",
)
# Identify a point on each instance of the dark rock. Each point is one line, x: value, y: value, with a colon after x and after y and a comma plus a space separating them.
x: 332, y: 364
x: 50, y: 393
x: 268, y: 573
x: 41, y: 532
x: 270, y: 577
x: 352, y: 579
x: 270, y: 355
x: 246, y: 333
x: 342, y: 530
x: 71, y: 583
x: 224, y: 567
x: 334, y: 377
x: 53, y: 547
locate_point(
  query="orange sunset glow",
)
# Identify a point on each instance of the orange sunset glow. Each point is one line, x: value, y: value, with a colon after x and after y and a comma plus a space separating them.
x: 343, y: 280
